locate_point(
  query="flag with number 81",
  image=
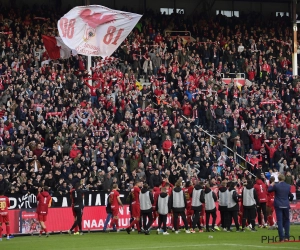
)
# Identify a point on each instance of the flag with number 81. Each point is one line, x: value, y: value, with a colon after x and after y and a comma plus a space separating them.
x: 96, y: 30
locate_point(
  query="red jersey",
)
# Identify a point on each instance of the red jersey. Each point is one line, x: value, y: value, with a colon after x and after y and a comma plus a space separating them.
x: 187, y: 193
x: 114, y: 194
x: 156, y: 193
x: 135, y: 194
x: 169, y: 190
x: 215, y: 189
x: 44, y: 202
x: 270, y: 199
x: 261, y: 190
x: 4, y: 205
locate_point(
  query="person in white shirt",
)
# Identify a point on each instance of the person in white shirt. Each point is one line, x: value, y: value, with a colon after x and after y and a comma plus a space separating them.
x: 241, y: 48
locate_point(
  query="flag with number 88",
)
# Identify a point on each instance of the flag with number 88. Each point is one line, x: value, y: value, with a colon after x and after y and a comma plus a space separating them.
x: 96, y: 30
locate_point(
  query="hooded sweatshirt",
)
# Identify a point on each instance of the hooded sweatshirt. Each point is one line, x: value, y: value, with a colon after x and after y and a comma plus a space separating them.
x: 261, y: 190
x: 44, y: 201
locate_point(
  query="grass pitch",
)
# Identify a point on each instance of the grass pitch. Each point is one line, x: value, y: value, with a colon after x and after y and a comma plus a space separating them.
x: 134, y: 241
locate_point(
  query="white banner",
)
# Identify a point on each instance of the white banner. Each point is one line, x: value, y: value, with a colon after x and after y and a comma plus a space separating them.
x: 96, y: 30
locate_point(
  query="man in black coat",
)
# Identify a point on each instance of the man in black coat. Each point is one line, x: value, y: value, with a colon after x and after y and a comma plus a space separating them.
x: 244, y: 135
x: 156, y: 179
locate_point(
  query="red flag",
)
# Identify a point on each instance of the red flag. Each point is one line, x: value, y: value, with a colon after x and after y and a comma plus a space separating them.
x: 51, y: 47
x: 56, y: 48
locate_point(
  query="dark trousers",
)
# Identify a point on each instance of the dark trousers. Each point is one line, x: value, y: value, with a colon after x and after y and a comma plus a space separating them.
x: 283, y: 222
x: 162, y: 220
x: 175, y: 220
x: 212, y: 125
x: 78, y: 212
x: 196, y: 219
x: 146, y: 226
x: 262, y: 208
x: 249, y: 214
x: 223, y: 215
x: 213, y: 214
x: 232, y: 215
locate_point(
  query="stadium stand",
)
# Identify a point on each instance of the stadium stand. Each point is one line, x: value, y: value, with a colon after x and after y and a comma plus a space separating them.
x: 223, y: 105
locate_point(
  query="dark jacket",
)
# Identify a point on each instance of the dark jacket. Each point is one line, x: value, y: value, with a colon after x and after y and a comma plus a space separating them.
x: 245, y: 137
x: 155, y: 180
x: 4, y: 186
x: 282, y: 195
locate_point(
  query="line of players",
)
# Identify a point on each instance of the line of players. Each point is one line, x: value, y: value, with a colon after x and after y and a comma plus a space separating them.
x: 195, y: 204
x: 192, y: 203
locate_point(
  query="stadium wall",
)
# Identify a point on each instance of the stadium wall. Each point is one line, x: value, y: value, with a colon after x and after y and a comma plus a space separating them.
x: 23, y: 219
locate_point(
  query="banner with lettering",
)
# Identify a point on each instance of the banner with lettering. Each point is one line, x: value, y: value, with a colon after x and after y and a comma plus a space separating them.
x: 96, y: 30
x: 91, y: 198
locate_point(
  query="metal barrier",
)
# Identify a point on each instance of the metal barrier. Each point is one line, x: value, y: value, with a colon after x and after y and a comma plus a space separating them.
x: 234, y: 153
x: 237, y: 75
x: 190, y: 38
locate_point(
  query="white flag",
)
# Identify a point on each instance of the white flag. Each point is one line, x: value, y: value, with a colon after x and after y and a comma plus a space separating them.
x: 96, y: 30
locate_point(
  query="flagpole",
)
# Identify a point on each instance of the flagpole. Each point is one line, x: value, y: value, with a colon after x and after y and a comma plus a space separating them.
x: 89, y: 62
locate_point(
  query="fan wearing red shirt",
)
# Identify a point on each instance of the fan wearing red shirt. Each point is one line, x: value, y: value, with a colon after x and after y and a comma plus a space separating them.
x: 262, y: 192
x: 270, y: 204
x: 44, y: 202
x: 4, y: 218
x: 115, y: 201
x: 188, y: 190
x: 156, y: 193
x: 135, y: 207
x: 167, y: 145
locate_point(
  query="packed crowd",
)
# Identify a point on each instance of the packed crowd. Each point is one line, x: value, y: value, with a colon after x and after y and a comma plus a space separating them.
x: 59, y: 125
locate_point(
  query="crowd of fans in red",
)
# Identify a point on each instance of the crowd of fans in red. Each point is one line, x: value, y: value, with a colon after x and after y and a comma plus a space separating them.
x: 58, y: 127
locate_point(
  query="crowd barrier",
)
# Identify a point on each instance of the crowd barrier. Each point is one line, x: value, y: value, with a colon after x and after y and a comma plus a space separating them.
x: 23, y: 219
